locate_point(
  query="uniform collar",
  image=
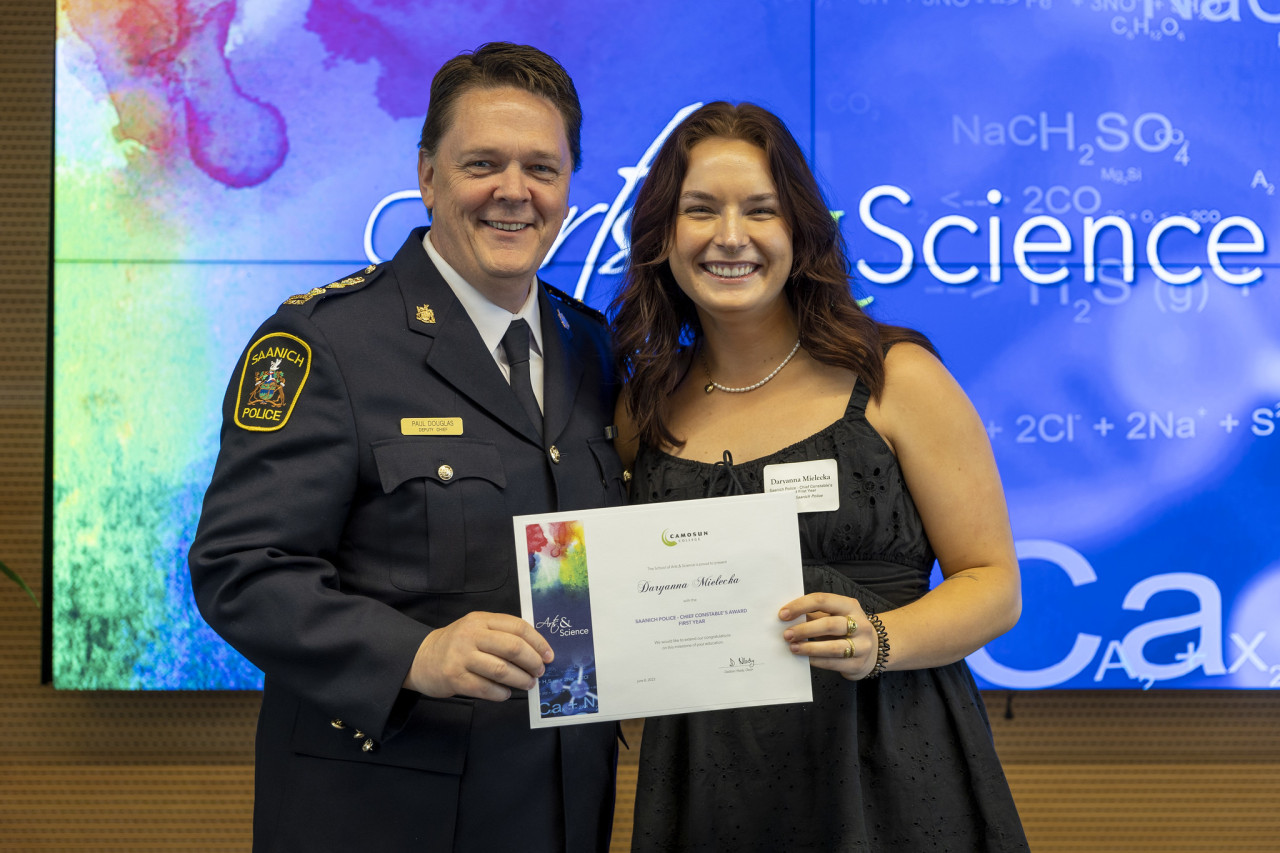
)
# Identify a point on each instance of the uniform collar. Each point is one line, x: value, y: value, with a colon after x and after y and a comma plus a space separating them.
x: 490, y: 320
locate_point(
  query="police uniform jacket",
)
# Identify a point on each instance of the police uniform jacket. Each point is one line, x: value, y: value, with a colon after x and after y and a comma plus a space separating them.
x: 372, y: 458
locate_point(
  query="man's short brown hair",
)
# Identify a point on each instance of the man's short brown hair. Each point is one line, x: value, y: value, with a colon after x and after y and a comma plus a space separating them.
x: 492, y: 66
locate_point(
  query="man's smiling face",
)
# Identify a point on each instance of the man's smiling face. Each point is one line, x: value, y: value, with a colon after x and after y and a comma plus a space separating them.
x: 498, y: 189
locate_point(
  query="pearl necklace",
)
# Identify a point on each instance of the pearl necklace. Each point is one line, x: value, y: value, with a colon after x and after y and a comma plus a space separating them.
x: 712, y: 385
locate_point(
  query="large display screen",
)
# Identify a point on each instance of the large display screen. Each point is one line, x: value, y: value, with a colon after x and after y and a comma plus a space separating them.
x: 1075, y: 199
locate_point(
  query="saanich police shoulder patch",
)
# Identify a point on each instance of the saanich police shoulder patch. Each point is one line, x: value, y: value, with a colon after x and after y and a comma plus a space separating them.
x: 275, y: 369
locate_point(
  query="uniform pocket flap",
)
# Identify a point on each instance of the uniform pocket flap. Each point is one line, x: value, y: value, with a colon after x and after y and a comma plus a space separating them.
x: 444, y: 460
x: 606, y: 458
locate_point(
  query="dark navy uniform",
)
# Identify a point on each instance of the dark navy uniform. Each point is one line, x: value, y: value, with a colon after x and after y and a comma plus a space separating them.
x: 372, y: 458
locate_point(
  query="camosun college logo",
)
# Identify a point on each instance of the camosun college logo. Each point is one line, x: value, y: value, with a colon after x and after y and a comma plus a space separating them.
x: 671, y: 540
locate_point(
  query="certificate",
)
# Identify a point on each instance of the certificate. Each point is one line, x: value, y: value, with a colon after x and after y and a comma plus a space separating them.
x: 662, y: 608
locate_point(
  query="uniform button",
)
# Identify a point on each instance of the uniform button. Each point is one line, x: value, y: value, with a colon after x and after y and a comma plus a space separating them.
x: 358, y: 735
x: 367, y: 746
x: 555, y: 454
x: 445, y: 472
x: 626, y: 476
x: 337, y: 724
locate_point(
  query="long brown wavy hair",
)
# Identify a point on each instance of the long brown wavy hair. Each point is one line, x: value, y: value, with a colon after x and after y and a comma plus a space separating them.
x: 652, y: 317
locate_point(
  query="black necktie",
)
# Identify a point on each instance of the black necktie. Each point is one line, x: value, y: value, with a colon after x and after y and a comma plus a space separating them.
x: 515, y: 343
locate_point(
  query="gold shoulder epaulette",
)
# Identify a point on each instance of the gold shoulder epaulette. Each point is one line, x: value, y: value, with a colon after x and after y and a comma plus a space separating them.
x: 363, y: 277
x: 576, y: 304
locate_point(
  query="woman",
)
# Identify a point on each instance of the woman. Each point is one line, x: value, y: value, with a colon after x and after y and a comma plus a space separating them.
x: 743, y: 347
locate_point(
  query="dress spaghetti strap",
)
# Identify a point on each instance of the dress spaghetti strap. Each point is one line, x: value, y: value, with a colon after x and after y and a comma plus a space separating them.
x: 857, y: 407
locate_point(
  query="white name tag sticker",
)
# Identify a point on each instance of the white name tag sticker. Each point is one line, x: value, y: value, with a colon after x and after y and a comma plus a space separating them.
x: 816, y: 484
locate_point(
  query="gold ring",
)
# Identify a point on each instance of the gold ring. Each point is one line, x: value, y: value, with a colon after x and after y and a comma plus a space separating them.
x: 849, y: 651
x: 853, y: 627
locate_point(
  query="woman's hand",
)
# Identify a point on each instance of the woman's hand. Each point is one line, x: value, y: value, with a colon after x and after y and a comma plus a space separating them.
x: 835, y: 634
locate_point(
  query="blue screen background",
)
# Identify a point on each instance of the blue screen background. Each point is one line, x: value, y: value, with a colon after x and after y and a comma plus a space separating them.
x: 1134, y: 421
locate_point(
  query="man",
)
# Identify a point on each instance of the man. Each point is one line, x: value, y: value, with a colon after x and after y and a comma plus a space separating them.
x: 356, y: 540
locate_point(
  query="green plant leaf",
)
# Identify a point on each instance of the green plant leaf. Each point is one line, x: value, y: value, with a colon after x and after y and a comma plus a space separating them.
x: 17, y: 578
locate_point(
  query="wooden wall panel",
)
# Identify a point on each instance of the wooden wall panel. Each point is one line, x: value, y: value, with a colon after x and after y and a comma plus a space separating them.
x: 1131, y: 772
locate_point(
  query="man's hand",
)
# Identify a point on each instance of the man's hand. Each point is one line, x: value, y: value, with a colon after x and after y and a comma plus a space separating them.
x: 482, y: 655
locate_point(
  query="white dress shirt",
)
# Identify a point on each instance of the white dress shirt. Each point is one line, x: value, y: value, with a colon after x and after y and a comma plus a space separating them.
x: 492, y: 320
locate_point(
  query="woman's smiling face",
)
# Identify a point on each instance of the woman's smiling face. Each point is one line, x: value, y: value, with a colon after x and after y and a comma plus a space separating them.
x: 732, y: 249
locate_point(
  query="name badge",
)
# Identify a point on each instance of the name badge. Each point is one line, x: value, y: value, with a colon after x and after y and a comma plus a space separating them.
x: 431, y: 426
x: 816, y: 484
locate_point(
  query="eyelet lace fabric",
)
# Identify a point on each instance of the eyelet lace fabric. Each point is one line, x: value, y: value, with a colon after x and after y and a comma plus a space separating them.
x: 901, y: 763
x: 877, y: 519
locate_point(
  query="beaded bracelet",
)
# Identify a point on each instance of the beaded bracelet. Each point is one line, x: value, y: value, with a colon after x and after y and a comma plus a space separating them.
x: 882, y: 645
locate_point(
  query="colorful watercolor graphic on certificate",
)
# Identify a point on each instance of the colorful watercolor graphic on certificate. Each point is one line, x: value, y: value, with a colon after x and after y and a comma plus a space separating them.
x: 561, y: 595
